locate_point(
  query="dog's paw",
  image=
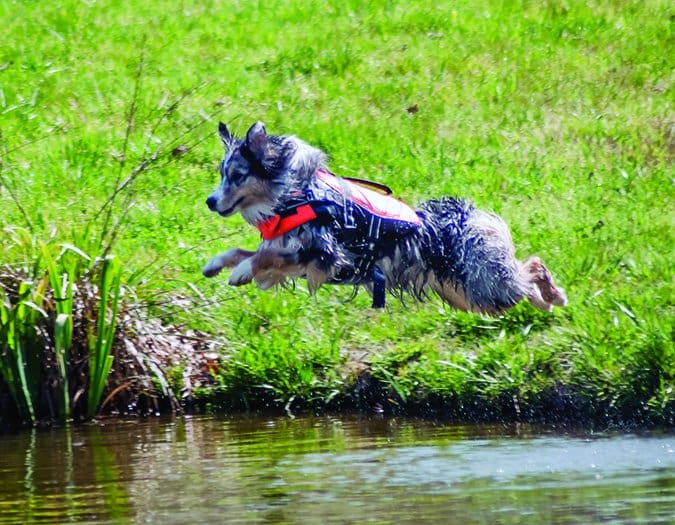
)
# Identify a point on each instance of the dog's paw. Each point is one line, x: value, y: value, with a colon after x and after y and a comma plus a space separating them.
x: 242, y: 274
x: 212, y: 268
x: 560, y: 298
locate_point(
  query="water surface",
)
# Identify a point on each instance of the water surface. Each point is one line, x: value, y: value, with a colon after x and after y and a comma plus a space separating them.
x: 332, y: 470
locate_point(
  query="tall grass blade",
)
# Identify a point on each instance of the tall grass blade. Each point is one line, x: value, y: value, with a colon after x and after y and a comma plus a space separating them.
x: 100, y: 348
x: 63, y: 333
x: 61, y: 280
x: 17, y: 331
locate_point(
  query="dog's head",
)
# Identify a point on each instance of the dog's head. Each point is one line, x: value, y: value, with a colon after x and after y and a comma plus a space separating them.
x: 251, y: 172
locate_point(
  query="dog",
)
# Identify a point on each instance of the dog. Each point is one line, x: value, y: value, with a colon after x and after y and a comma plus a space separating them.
x: 330, y: 230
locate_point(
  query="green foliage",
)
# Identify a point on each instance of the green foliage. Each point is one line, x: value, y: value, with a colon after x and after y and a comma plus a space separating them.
x: 20, y: 365
x: 101, y: 338
x: 557, y: 115
x: 36, y: 327
x: 61, y: 277
x: 284, y: 356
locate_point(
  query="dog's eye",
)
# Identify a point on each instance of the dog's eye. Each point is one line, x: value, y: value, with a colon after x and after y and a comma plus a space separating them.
x: 228, y: 170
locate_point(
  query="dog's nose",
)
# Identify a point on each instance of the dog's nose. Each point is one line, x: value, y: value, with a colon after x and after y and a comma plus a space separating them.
x: 211, y: 203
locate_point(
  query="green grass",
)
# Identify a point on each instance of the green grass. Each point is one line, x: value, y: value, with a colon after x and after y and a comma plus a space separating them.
x: 557, y: 115
x: 40, y: 312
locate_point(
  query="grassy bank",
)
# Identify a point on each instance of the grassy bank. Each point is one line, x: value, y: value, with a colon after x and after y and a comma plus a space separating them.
x: 557, y: 115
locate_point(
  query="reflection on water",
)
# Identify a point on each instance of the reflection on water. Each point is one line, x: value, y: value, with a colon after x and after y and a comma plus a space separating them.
x: 332, y: 470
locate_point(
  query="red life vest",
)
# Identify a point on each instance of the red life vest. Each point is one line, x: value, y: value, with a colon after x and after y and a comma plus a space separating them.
x: 277, y: 225
x: 383, y: 206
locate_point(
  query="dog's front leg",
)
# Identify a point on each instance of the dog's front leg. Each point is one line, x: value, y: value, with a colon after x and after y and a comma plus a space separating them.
x: 228, y: 259
x: 268, y: 267
x: 242, y: 273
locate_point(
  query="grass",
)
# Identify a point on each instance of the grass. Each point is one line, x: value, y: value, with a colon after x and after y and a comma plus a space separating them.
x: 558, y: 115
x: 40, y: 313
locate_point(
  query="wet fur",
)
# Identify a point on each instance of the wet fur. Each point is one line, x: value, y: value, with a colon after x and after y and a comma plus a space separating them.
x: 462, y: 254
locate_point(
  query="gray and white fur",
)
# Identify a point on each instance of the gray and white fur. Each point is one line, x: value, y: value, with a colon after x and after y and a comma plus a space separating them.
x: 462, y: 254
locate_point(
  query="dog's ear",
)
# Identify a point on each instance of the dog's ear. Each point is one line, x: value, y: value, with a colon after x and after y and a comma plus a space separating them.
x: 224, y: 133
x: 256, y: 140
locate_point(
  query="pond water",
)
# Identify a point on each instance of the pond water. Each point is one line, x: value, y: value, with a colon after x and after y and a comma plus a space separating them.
x: 325, y: 469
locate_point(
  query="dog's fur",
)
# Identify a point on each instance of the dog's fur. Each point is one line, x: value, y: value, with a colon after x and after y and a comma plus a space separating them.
x: 463, y: 254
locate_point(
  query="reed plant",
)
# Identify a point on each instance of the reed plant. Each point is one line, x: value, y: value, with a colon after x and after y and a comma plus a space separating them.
x: 38, y: 356
x: 20, y: 356
x: 61, y: 277
x: 100, y: 340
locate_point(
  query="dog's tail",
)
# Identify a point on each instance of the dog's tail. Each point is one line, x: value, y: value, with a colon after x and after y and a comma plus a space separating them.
x: 472, y: 264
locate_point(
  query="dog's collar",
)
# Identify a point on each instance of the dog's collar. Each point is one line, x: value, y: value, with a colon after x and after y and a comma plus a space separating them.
x: 277, y: 225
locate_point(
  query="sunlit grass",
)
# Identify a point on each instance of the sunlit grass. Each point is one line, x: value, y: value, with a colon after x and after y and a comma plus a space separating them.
x: 557, y: 115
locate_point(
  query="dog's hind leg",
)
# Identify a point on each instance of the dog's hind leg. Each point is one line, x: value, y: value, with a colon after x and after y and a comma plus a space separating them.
x: 228, y: 259
x: 476, y: 268
x: 544, y: 294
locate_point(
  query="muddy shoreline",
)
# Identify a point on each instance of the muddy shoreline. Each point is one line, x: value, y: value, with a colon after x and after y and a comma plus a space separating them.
x: 560, y: 407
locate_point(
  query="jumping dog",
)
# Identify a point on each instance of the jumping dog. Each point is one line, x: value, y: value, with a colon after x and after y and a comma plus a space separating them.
x: 330, y: 230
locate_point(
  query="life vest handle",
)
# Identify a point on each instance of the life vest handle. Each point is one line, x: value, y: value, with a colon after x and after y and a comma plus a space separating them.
x: 382, y: 188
